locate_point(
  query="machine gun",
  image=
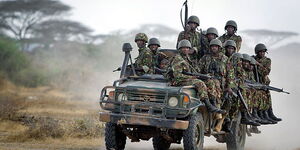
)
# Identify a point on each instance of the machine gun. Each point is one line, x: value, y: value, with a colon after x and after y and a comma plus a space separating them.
x: 260, y: 86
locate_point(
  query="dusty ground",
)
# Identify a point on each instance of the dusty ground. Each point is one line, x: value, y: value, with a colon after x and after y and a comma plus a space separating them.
x: 34, y: 104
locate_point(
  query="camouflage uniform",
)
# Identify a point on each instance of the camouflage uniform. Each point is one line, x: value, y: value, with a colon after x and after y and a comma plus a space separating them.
x: 263, y: 73
x: 234, y: 37
x: 179, y: 64
x: 145, y: 58
x: 216, y: 66
x: 195, y: 38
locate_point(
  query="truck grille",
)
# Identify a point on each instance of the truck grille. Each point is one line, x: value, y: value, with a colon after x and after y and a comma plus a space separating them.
x: 141, y: 96
x: 146, y: 97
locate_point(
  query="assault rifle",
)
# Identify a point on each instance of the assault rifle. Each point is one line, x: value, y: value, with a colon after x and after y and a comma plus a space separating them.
x: 260, y: 86
x: 201, y: 76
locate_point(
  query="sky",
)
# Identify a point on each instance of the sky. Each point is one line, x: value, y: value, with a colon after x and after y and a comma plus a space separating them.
x: 105, y: 16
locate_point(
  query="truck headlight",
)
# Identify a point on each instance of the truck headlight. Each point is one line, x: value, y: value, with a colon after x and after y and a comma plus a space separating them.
x: 173, y: 101
x: 122, y: 97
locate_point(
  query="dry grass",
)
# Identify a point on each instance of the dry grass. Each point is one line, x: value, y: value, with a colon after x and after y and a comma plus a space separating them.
x: 45, y: 117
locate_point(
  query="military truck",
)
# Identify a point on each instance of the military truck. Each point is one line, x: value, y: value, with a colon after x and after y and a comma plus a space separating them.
x: 145, y: 107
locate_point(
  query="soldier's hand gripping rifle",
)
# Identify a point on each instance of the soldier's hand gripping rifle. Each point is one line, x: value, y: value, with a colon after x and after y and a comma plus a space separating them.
x: 260, y: 86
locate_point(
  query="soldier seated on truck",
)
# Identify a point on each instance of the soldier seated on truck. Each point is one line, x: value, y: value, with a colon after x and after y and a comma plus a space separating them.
x: 180, y: 64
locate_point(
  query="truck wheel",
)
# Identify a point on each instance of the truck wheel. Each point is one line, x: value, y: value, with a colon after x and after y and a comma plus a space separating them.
x: 193, y: 136
x: 160, y: 143
x: 114, y: 137
x: 236, y: 140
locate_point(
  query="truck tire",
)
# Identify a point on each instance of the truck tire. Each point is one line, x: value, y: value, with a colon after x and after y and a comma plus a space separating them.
x: 114, y: 137
x: 236, y: 140
x: 193, y: 136
x: 160, y: 143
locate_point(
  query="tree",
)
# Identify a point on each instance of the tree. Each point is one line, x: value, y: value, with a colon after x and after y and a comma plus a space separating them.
x: 18, y: 17
x: 51, y: 31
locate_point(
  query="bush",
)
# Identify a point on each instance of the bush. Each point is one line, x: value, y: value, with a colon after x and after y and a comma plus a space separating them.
x: 44, y: 127
x: 15, y: 65
x: 8, y: 108
x: 85, y: 128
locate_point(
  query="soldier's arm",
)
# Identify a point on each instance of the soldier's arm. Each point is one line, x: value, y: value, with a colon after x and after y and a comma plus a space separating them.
x: 180, y: 37
x: 238, y: 43
x: 147, y: 61
x: 201, y: 64
x: 265, y: 68
x: 178, y: 67
x: 230, y: 76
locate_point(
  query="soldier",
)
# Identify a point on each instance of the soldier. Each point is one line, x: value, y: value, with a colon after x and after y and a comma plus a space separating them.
x: 215, y: 64
x: 230, y: 48
x: 231, y: 28
x: 181, y: 63
x: 211, y: 33
x: 235, y: 64
x: 144, y: 59
x: 263, y: 69
x: 153, y: 45
x: 193, y: 36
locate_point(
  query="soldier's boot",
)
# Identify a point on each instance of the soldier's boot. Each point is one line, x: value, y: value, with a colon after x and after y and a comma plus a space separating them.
x: 262, y: 117
x: 227, y: 126
x: 252, y: 118
x: 272, y: 116
x: 214, y: 103
x: 247, y: 121
x: 266, y: 116
x: 254, y: 129
x: 220, y: 121
x: 257, y: 118
x: 211, y: 108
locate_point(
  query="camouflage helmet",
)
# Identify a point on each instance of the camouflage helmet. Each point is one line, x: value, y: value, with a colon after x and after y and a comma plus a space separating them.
x: 184, y: 43
x: 215, y: 42
x: 154, y: 41
x: 231, y: 23
x: 238, y: 55
x: 253, y: 61
x: 260, y: 47
x: 212, y: 30
x: 230, y: 43
x: 194, y: 19
x: 247, y: 57
x: 141, y: 36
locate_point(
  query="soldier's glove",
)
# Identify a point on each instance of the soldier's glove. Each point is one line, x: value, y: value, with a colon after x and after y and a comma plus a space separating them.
x: 145, y: 68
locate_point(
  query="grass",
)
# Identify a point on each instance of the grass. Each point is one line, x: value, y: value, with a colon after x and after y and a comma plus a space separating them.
x: 45, y: 117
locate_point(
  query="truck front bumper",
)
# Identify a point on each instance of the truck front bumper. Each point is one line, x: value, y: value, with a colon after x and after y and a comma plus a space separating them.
x: 143, y: 120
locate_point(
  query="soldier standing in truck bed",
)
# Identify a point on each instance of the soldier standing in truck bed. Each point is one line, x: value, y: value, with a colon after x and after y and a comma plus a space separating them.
x: 144, y: 59
x: 231, y: 28
x: 191, y: 34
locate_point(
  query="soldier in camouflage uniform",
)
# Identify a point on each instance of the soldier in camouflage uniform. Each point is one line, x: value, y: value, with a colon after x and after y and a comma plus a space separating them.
x: 246, y: 92
x: 180, y: 63
x: 263, y: 69
x: 215, y: 64
x: 211, y: 33
x: 235, y: 63
x: 193, y: 36
x: 144, y: 59
x: 231, y: 28
x: 154, y: 45
x: 230, y: 48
